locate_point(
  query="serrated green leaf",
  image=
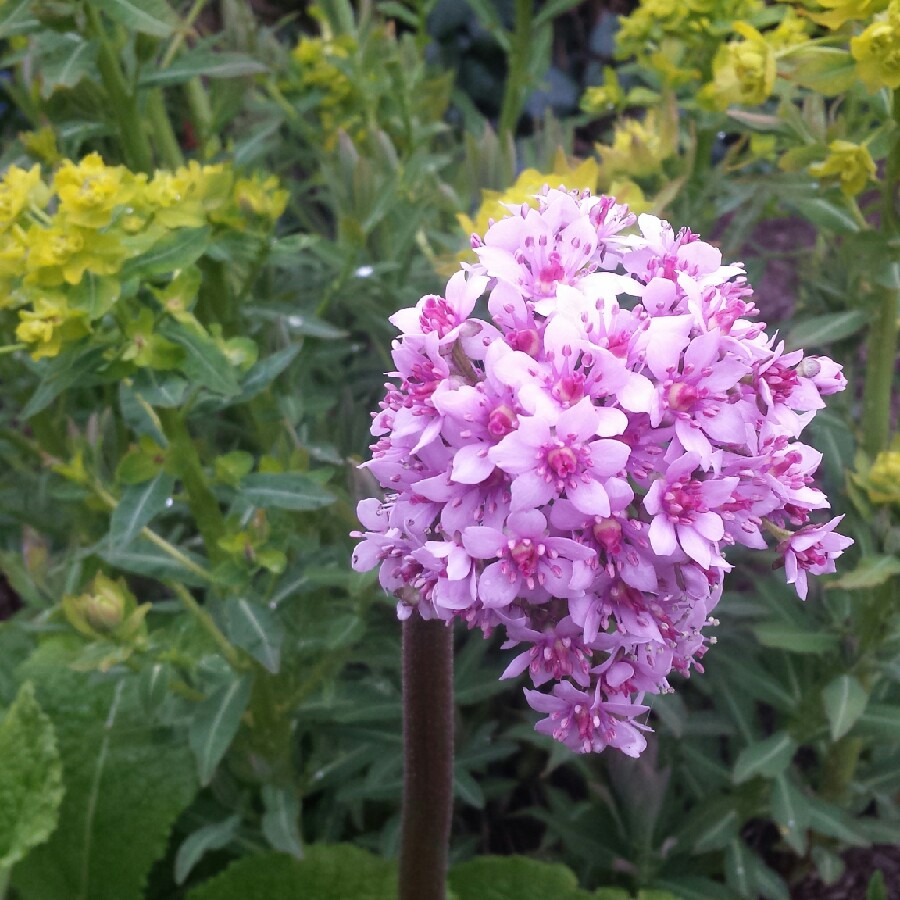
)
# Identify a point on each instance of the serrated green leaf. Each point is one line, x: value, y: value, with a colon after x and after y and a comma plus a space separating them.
x: 204, y: 63
x: 126, y: 781
x: 153, y: 17
x: 31, y: 786
x: 844, y: 699
x: 870, y: 572
x: 210, y: 837
x: 177, y: 249
x: 821, y: 330
x: 204, y: 363
x: 514, y: 878
x: 256, y: 629
x: 137, y: 507
x: 767, y: 758
x: 284, y: 490
x: 338, y: 872
x: 280, y: 820
x: 794, y: 638
x: 215, y: 723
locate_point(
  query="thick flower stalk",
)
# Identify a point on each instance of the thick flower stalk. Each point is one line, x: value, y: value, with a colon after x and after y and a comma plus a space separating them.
x: 572, y: 461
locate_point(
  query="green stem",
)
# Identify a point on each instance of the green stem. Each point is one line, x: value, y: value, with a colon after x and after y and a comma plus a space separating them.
x: 881, y: 345
x: 163, y: 133
x: 183, y: 31
x: 201, y: 114
x: 202, y: 502
x: 839, y: 767
x: 428, y: 758
x: 517, y: 76
x: 206, y: 622
x: 135, y: 144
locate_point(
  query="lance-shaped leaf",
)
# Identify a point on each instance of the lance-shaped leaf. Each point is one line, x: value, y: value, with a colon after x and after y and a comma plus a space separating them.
x: 280, y: 821
x: 767, y: 758
x: 210, y: 837
x: 791, y: 812
x: 216, y: 722
x: 284, y: 490
x: 30, y: 778
x: 844, y: 699
x: 154, y: 17
x: 256, y: 629
x: 138, y: 506
x: 204, y: 362
x: 204, y: 63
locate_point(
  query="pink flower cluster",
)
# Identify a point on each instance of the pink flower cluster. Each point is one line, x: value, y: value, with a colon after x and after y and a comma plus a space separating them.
x: 571, y: 460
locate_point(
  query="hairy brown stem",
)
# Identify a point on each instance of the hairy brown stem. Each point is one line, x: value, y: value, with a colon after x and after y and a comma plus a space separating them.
x: 428, y: 758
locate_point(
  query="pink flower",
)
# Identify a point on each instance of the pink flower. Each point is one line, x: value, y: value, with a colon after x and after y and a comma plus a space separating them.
x: 814, y: 549
x: 575, y: 468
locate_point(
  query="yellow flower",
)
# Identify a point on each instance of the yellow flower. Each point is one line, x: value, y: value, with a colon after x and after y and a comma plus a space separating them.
x: 18, y: 190
x: 604, y: 97
x: 49, y: 325
x: 261, y: 197
x: 63, y: 253
x: 791, y: 32
x: 90, y: 191
x: 849, y: 164
x: 41, y: 144
x: 743, y: 71
x: 626, y: 191
x: 877, y: 51
x: 575, y: 176
x: 883, y: 481
x: 639, y: 147
x: 841, y: 11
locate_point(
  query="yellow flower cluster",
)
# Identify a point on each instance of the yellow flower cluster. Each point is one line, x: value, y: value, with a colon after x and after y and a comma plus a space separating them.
x: 849, y: 165
x: 883, y: 481
x: 64, y: 243
x: 743, y: 71
x: 877, y: 51
x: 677, y: 38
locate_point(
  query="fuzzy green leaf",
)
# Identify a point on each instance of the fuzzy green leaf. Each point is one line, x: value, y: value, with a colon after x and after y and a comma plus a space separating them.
x: 338, y: 872
x: 126, y: 781
x: 514, y: 878
x: 30, y: 778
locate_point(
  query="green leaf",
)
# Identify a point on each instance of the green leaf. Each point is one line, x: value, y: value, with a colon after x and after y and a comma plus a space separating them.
x: 870, y: 572
x: 14, y: 18
x: 144, y: 558
x: 154, y: 17
x: 31, y: 786
x: 829, y: 865
x: 844, y: 699
x: 204, y: 63
x: 138, y: 505
x: 825, y: 214
x: 256, y: 629
x: 880, y: 720
x: 284, y: 490
x: 826, y: 70
x: 177, y: 249
x: 829, y: 819
x: 338, y: 872
x: 711, y: 826
x: 126, y: 781
x: 513, y: 878
x: 767, y: 758
x: 216, y: 722
x: 94, y: 295
x: 162, y: 389
x: 794, y: 638
x: 822, y: 330
x: 280, y: 821
x: 876, y: 890
x: 77, y: 366
x: 205, y: 363
x: 791, y: 812
x: 214, y: 836
x: 264, y: 372
x: 553, y: 9
x: 64, y: 60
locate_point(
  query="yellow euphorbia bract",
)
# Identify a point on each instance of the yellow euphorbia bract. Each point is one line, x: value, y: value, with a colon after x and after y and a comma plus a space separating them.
x: 877, y: 51
x: 850, y: 165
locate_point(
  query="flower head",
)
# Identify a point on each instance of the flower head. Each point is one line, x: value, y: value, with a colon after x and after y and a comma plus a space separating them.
x: 574, y: 467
